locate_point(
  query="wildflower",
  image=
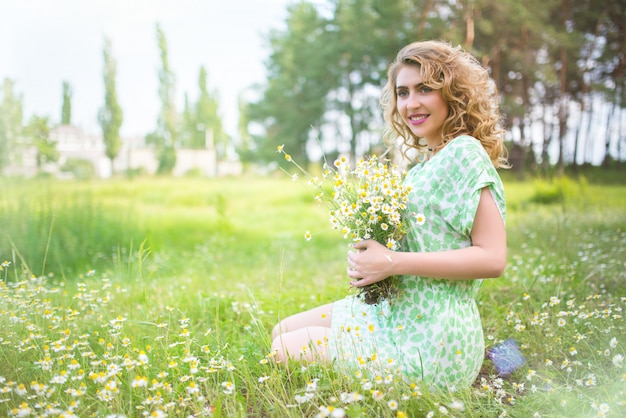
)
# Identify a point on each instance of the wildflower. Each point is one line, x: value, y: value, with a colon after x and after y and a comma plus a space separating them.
x: 143, y: 358
x: 60, y: 378
x: 457, y: 405
x: 618, y: 361
x: 351, y: 397
x: 192, y: 388
x: 561, y: 322
x: 392, y: 404
x: 307, y: 235
x: 312, y: 385
x: 139, y: 382
x: 613, y: 342
x: 377, y: 395
x: 603, y: 409
x: 228, y: 387
x: 334, y: 412
x: 279, y: 148
x: 21, y: 390
x: 263, y: 379
x: 300, y: 399
x: 23, y: 411
x: 591, y: 380
x: 420, y: 219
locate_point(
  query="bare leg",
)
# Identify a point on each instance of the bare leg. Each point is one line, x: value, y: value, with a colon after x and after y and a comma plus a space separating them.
x: 303, y: 336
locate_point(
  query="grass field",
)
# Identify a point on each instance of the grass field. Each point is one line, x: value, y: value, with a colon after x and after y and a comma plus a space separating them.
x: 155, y: 297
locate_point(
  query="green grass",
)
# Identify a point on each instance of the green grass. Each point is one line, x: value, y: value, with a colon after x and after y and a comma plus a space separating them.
x: 117, y: 295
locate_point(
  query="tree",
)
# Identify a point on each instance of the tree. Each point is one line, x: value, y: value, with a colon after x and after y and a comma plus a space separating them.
x: 208, y: 119
x: 300, y: 75
x: 186, y: 137
x: 547, y: 58
x: 110, y: 115
x: 366, y: 35
x: 38, y: 130
x: 166, y: 134
x: 66, y: 109
x: 10, y: 122
x: 246, y: 145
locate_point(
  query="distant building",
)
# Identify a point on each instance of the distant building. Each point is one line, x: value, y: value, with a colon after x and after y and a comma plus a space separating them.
x: 73, y: 143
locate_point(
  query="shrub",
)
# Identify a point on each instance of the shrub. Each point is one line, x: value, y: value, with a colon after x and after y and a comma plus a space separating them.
x: 557, y: 190
x: 79, y: 168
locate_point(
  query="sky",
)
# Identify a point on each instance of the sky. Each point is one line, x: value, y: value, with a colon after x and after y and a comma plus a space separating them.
x: 46, y: 42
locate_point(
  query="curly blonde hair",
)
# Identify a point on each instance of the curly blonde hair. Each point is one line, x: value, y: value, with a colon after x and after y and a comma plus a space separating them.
x: 466, y: 86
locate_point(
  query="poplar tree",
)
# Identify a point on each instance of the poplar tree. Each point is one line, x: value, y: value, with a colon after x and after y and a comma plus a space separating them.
x: 165, y: 137
x: 66, y: 109
x: 110, y: 115
x: 207, y: 114
x: 11, y: 114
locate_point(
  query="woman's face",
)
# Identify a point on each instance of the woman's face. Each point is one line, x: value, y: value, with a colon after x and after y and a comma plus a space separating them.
x: 422, y: 109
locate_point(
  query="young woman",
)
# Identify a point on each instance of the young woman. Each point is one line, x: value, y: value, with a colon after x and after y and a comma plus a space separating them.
x: 441, y: 102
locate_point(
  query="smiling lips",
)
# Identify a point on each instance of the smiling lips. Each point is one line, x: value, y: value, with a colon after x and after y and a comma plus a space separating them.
x: 417, y: 119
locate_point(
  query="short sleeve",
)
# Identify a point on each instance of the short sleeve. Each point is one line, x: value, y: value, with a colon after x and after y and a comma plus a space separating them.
x: 470, y: 171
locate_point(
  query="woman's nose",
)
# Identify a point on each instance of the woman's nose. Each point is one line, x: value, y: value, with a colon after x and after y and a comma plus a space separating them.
x: 413, y: 101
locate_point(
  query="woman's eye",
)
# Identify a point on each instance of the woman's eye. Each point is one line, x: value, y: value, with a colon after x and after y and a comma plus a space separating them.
x: 425, y: 89
x: 401, y: 93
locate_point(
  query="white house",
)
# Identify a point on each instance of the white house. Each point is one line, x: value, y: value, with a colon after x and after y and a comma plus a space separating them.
x: 73, y: 143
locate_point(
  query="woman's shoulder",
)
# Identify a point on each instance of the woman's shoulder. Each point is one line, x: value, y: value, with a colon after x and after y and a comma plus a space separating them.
x: 466, y: 146
x: 465, y: 141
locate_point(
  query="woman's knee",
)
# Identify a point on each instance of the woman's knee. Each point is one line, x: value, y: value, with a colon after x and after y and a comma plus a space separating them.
x: 303, y: 344
x: 276, y: 331
x: 278, y: 352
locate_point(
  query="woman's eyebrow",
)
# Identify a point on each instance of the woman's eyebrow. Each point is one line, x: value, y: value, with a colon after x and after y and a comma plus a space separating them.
x: 417, y: 86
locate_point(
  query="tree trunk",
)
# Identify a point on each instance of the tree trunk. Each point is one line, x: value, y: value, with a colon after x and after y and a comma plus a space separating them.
x: 563, y: 99
x: 588, y: 139
x: 548, y: 127
x: 352, y: 119
x: 469, y: 26
x: 577, y: 136
x: 522, y: 146
x: 606, y: 161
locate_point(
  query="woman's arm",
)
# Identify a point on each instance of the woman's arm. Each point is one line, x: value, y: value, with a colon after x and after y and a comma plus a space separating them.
x: 485, y: 258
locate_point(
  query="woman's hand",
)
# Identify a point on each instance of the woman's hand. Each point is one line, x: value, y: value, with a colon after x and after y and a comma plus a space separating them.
x: 371, y: 263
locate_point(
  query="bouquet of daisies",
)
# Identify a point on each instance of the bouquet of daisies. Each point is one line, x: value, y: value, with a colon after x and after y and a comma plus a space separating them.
x: 368, y: 201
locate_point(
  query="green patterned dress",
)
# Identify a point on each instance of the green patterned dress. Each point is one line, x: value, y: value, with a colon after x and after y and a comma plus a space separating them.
x: 432, y: 330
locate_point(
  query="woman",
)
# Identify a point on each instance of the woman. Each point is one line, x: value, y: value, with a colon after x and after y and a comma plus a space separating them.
x: 442, y: 103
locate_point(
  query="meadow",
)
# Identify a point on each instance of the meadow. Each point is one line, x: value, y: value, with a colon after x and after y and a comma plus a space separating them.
x: 156, y: 297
